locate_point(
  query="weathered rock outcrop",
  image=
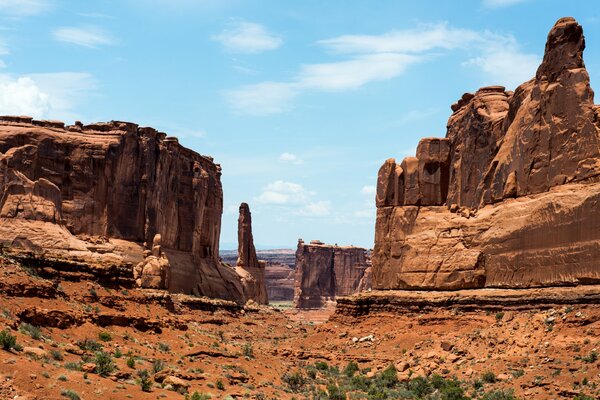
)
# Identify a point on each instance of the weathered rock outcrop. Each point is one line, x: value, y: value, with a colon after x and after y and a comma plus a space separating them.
x: 324, y: 272
x: 510, y: 197
x: 248, y: 267
x: 279, y: 280
x: 98, y: 194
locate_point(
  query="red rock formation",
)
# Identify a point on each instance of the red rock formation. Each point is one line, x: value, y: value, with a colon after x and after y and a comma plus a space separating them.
x: 248, y: 267
x: 279, y: 280
x: 519, y: 205
x: 94, y: 195
x: 324, y: 272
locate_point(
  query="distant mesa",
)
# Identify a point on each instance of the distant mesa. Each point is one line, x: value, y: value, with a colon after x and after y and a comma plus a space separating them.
x: 509, y: 198
x: 324, y: 272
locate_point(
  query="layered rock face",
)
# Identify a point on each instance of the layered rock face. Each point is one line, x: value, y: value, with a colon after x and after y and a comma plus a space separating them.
x: 97, y: 195
x: 248, y: 267
x: 510, y: 197
x: 324, y: 272
x: 279, y: 280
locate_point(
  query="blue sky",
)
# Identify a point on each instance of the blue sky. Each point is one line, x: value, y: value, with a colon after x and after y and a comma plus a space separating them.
x: 299, y: 101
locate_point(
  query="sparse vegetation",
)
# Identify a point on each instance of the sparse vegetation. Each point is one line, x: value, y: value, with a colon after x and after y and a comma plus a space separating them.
x: 198, y: 396
x: 89, y: 345
x: 219, y: 384
x: 590, y: 358
x: 488, y: 377
x: 70, y: 394
x: 30, y: 330
x: 105, y: 336
x: 73, y: 366
x: 144, y: 380
x: 248, y: 350
x: 131, y: 362
x: 158, y: 366
x: 164, y: 347
x: 7, y: 341
x: 104, y: 364
x: 56, y: 355
x: 499, y: 395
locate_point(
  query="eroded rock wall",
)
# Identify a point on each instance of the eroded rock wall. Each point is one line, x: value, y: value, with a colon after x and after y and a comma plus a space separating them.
x: 509, y: 197
x: 324, y: 272
x: 98, y: 193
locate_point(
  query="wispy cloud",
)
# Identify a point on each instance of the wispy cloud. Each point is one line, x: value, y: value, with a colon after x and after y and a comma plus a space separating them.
x: 51, y: 95
x: 501, y: 3
x: 86, y: 36
x: 293, y: 198
x: 24, y: 8
x: 247, y: 37
x: 290, y: 158
x: 369, y: 190
x: 372, y: 58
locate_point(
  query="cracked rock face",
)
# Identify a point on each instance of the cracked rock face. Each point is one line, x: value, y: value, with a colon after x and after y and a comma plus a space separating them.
x: 509, y: 197
x: 97, y: 195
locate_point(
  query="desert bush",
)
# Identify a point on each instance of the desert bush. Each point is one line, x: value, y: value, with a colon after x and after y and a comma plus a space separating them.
x: 56, y: 355
x: 158, y: 366
x: 295, y: 381
x: 30, y: 330
x: 248, y: 350
x: 7, y: 341
x: 144, y: 380
x: 499, y: 395
x: 488, y: 377
x: 89, y: 344
x: 70, y: 394
x: 104, y: 363
x: 164, y: 347
x: 220, y: 385
x: 105, y: 336
x: 351, y: 369
x: 73, y: 366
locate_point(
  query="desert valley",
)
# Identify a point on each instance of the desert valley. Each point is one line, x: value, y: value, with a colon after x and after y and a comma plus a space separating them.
x: 483, y: 280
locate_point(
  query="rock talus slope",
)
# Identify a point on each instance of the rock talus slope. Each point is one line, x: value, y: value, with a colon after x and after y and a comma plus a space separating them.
x: 509, y: 198
x: 251, y: 270
x: 324, y: 272
x: 96, y: 196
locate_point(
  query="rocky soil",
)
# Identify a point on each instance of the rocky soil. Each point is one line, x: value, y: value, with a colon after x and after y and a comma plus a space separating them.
x: 78, y: 338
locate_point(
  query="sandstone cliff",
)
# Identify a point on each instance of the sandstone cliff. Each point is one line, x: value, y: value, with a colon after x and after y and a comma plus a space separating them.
x: 509, y: 197
x: 93, y: 197
x: 248, y: 267
x: 324, y: 272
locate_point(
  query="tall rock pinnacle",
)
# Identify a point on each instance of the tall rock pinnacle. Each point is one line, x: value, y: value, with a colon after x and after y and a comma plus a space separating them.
x: 248, y: 267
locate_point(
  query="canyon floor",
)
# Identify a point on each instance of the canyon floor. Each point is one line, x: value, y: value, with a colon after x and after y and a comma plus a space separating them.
x: 77, y: 339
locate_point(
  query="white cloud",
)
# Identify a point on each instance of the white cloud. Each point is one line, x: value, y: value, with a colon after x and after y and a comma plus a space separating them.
x: 354, y: 73
x: 262, y: 98
x: 290, y: 158
x: 501, y: 3
x: 507, y: 66
x: 247, y: 37
x: 372, y: 58
x: 368, y: 190
x: 23, y: 8
x: 293, y: 198
x: 316, y: 209
x: 22, y: 96
x: 88, y: 36
x: 51, y: 95
x: 426, y: 37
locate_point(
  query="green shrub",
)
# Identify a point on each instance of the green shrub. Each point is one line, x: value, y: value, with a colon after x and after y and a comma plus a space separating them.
x: 105, y: 336
x: 164, y: 347
x: 70, y: 394
x: 321, y: 366
x: 220, y: 385
x: 158, y: 366
x: 295, y: 381
x: 131, y: 362
x: 499, y: 395
x: 334, y: 392
x: 351, y: 369
x: 248, y: 350
x: 499, y: 316
x: 62, y: 378
x: 420, y: 386
x: 488, y: 377
x: 198, y: 396
x: 30, y: 330
x: 73, y: 366
x: 118, y: 353
x: 387, y: 378
x: 104, y: 363
x: 89, y: 344
x: 7, y: 341
x: 145, y: 382
x: 56, y: 355
x: 590, y: 358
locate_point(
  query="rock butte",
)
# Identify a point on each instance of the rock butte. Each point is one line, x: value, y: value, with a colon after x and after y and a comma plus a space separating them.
x: 324, y: 272
x: 89, y: 199
x: 509, y: 198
